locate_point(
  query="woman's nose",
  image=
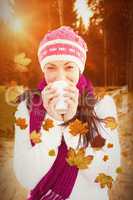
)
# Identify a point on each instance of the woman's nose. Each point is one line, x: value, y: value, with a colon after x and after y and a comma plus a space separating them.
x: 61, y: 75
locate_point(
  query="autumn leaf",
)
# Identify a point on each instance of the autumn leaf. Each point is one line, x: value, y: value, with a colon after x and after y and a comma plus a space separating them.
x: 119, y: 170
x: 110, y: 145
x: 35, y: 137
x: 22, y: 60
x: 104, y: 180
x: 21, y: 122
x: 51, y: 152
x: 110, y: 122
x: 13, y: 92
x: 71, y: 155
x: 78, y: 158
x: 100, y: 93
x: 83, y: 164
x: 105, y: 158
x: 78, y: 127
x: 48, y: 123
x: 98, y: 142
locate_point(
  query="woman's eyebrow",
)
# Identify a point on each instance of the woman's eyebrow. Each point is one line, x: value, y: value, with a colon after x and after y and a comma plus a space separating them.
x: 51, y: 64
x: 68, y: 63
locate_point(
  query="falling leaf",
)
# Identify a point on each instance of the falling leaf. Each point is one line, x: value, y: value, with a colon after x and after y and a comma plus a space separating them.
x: 71, y: 156
x: 51, y: 152
x: 105, y: 158
x: 110, y: 145
x: 21, y: 122
x: 12, y: 93
x: 78, y: 127
x: 97, y: 142
x: 119, y: 170
x: 104, y: 180
x: 100, y: 93
x: 48, y: 123
x: 22, y: 60
x: 35, y: 137
x: 78, y: 158
x: 110, y: 122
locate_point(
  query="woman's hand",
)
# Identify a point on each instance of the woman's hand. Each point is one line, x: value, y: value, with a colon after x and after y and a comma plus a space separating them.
x: 50, y: 97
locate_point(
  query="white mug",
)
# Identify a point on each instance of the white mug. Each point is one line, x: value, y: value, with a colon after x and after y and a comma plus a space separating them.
x: 61, y: 105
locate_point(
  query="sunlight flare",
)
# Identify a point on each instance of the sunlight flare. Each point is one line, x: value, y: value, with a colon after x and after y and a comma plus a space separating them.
x: 83, y: 13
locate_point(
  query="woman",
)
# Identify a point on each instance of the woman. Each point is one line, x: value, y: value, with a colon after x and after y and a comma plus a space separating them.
x: 72, y: 155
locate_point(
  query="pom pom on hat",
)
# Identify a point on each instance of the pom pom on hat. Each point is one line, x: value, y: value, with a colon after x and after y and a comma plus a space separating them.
x: 62, y: 44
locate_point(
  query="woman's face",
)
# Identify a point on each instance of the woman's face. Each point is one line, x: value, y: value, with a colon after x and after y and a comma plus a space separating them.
x: 61, y: 70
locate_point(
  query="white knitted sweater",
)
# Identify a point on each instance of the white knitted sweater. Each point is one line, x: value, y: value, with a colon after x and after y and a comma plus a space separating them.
x: 32, y: 163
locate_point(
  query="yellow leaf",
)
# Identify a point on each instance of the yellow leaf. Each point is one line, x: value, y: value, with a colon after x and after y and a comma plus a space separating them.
x: 104, y: 180
x: 22, y: 60
x: 78, y: 127
x: 71, y: 155
x: 35, y: 137
x: 51, y: 152
x: 26, y: 61
x: 48, y: 123
x: 119, y: 170
x: 110, y: 122
x: 83, y: 164
x: 78, y: 158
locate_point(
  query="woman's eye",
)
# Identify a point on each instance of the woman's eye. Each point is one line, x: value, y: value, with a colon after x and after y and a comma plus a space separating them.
x: 69, y: 67
x: 50, y: 68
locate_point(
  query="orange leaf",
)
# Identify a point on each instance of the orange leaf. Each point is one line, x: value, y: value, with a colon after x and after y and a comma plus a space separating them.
x: 35, y: 137
x: 21, y: 122
x: 110, y: 122
x: 78, y: 158
x: 77, y: 127
x: 48, y: 123
x: 100, y: 93
x: 110, y: 145
x: 104, y: 180
x: 71, y: 154
x: 105, y: 158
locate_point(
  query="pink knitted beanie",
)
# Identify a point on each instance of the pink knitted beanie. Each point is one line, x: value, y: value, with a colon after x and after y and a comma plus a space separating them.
x: 62, y: 44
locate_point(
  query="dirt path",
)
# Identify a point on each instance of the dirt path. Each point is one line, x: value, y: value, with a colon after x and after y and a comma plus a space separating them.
x: 10, y: 189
